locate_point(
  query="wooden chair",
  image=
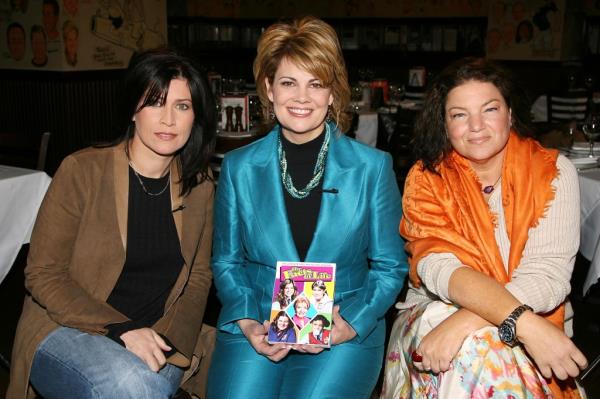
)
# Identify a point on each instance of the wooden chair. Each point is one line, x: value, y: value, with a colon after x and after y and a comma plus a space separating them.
x: 416, y: 97
x: 567, y: 107
x: 26, y: 151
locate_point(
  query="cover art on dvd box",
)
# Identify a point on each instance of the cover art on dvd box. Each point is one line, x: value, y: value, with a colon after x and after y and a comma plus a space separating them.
x: 302, y: 303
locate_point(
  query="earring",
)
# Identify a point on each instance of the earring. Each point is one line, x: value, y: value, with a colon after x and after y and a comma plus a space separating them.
x: 271, y: 113
x: 329, y: 116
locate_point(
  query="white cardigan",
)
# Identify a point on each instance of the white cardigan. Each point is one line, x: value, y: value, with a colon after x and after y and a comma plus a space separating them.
x: 542, y: 280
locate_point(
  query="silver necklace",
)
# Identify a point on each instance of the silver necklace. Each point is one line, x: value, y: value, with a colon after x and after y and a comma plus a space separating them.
x: 142, y: 183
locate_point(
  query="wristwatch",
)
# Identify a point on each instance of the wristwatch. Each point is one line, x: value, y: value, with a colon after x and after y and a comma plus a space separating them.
x: 507, y: 330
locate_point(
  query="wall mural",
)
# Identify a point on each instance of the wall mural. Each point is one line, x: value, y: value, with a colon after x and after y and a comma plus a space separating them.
x: 63, y: 35
x: 526, y: 30
x: 337, y: 8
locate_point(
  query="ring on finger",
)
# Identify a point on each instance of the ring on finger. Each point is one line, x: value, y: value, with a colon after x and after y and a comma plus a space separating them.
x: 416, y: 357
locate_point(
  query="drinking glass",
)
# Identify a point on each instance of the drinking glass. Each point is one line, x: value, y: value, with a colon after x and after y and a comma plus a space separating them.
x: 591, y: 130
x: 356, y: 93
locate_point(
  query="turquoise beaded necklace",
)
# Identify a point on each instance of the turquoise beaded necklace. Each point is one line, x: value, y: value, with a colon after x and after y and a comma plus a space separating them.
x: 317, y: 173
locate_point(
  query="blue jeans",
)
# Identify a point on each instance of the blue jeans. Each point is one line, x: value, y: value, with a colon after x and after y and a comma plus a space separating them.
x: 73, y: 364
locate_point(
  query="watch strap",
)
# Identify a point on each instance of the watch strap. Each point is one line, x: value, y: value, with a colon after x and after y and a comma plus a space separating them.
x: 511, y: 321
x: 519, y: 310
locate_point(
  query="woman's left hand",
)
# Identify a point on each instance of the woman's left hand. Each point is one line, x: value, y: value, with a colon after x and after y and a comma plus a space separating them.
x: 340, y: 333
x: 439, y: 347
x: 341, y: 330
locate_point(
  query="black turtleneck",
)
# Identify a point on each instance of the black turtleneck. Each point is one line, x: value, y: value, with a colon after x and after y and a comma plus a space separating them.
x: 303, y: 213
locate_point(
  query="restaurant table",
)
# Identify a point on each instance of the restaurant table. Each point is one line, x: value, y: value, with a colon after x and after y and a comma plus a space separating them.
x: 589, y: 186
x: 21, y: 193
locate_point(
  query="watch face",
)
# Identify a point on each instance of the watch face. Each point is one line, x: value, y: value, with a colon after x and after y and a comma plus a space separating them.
x: 506, y: 333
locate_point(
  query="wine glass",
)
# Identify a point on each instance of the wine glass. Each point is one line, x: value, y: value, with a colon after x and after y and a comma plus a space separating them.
x: 591, y: 130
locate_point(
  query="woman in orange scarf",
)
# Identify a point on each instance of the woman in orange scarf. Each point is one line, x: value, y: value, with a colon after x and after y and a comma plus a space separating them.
x: 491, y: 220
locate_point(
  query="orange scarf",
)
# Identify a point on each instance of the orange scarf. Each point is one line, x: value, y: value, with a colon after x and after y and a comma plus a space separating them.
x: 447, y: 213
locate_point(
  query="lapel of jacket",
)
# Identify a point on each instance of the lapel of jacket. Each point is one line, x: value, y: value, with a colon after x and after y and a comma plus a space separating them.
x: 121, y: 179
x: 343, y: 173
x: 266, y: 192
x: 177, y: 199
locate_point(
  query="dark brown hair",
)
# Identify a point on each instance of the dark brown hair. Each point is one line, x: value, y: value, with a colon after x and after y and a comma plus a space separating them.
x: 431, y: 143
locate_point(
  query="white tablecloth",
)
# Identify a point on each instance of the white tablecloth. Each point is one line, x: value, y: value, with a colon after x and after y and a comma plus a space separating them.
x: 589, y: 186
x: 21, y: 193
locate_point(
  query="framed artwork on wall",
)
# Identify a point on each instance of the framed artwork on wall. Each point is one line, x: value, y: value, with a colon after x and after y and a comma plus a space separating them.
x: 234, y: 113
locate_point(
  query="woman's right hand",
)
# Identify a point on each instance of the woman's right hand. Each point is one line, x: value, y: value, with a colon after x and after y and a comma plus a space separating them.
x: 256, y: 334
x: 146, y: 344
x: 550, y: 348
x: 439, y: 347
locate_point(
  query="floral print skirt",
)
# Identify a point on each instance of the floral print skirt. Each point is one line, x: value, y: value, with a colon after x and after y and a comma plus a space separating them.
x: 484, y: 367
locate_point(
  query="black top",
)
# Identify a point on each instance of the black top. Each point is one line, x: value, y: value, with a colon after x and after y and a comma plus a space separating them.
x: 303, y: 213
x: 153, y: 259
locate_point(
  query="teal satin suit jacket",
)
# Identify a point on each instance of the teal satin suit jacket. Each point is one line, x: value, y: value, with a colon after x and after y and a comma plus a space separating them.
x: 357, y: 229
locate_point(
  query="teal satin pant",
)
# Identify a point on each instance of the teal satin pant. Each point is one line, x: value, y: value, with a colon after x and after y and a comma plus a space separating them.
x: 346, y: 371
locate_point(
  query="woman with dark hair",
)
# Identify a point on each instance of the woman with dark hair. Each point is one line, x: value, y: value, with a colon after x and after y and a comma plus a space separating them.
x: 319, y: 334
x: 492, y: 228
x: 305, y: 192
x: 118, y: 268
x: 320, y: 298
x: 286, y: 295
x: 282, y: 329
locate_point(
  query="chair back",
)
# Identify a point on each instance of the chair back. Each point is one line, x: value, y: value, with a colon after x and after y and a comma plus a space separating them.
x: 415, y: 97
x: 22, y: 150
x: 567, y: 107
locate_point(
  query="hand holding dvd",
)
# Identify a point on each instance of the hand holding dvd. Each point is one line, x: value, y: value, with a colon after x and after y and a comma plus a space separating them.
x: 256, y: 334
x: 312, y: 349
x: 341, y: 331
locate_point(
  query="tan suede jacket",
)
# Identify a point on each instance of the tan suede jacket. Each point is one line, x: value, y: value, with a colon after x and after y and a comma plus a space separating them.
x: 77, y: 253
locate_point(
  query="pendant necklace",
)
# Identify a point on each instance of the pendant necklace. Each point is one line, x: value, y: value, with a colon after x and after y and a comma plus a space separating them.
x: 490, y: 189
x: 317, y: 173
x: 142, y: 183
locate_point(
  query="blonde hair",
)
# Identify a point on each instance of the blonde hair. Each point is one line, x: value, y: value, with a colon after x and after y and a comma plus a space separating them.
x: 312, y: 45
x: 67, y: 27
x: 302, y: 299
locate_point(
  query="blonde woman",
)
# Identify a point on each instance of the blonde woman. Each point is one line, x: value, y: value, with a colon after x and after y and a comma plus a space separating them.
x: 70, y: 34
x: 305, y: 192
